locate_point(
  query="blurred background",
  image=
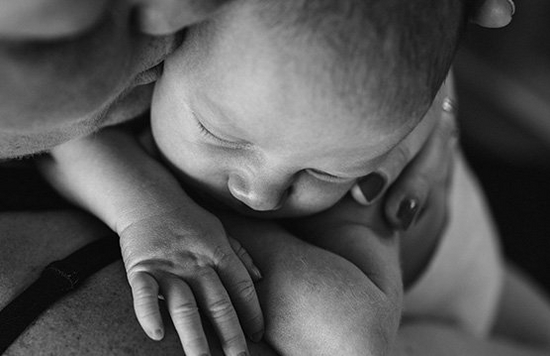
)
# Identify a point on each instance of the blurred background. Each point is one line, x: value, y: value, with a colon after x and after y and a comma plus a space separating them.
x: 503, y: 84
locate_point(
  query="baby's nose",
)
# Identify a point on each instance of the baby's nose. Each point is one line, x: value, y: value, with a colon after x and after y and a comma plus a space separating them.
x: 259, y: 194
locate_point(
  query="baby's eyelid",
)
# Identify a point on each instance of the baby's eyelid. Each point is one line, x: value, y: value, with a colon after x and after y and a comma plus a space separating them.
x: 206, y: 131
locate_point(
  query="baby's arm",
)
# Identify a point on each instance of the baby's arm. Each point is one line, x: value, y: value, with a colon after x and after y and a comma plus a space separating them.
x: 169, y: 244
x: 522, y: 328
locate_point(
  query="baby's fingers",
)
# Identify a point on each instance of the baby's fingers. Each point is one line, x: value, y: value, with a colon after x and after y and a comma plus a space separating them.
x: 243, y: 294
x: 185, y: 316
x: 215, y: 303
x: 145, y: 294
x: 245, y: 258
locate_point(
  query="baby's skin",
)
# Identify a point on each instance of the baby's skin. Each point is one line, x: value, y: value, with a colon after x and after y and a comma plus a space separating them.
x: 241, y: 131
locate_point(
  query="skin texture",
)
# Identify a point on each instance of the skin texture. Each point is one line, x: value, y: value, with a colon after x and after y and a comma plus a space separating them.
x: 291, y: 268
x: 53, y: 51
x: 227, y: 119
x: 312, y: 148
x: 48, y: 19
x: 169, y: 243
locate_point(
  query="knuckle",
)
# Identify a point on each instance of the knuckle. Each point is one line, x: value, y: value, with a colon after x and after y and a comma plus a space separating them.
x: 183, y: 310
x: 235, y: 244
x: 241, y: 252
x: 222, y: 309
x: 246, y: 290
x: 144, y: 292
x: 233, y: 339
x: 237, y: 247
x: 201, y: 273
x: 192, y: 341
x: 223, y: 256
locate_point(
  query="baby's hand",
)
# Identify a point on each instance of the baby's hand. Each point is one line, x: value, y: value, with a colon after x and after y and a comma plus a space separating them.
x: 186, y: 256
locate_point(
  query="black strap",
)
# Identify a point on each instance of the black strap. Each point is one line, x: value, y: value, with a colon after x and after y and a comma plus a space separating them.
x: 57, y: 279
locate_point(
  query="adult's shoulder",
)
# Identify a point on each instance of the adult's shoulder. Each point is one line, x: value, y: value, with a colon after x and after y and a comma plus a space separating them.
x: 98, y: 318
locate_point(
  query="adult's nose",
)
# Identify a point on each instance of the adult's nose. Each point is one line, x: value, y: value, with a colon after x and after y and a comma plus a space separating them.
x: 48, y: 19
x: 260, y: 193
x: 163, y: 17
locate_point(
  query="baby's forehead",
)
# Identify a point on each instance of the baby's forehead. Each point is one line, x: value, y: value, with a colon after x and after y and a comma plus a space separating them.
x: 237, y: 39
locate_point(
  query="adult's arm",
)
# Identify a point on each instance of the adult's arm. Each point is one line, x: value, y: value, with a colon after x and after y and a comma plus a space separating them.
x: 306, y: 293
x: 523, y: 314
x: 318, y: 303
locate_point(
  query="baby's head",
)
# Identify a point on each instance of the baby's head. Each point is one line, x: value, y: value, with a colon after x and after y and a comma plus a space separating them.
x: 279, y: 106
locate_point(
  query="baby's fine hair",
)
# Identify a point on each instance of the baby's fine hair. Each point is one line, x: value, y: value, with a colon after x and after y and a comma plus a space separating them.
x: 395, y: 51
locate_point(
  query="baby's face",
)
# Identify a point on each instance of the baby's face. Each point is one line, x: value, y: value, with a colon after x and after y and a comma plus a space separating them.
x: 259, y: 137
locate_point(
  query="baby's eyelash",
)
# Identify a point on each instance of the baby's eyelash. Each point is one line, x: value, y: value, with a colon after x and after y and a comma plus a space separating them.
x: 207, y: 133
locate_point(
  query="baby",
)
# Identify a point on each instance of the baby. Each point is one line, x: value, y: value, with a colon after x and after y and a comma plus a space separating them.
x: 273, y: 109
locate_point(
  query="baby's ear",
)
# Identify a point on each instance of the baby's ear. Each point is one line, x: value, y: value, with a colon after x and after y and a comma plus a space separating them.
x: 162, y: 17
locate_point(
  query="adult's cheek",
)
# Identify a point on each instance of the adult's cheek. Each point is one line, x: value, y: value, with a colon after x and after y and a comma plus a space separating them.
x: 163, y: 17
x: 48, y: 19
x: 45, y: 83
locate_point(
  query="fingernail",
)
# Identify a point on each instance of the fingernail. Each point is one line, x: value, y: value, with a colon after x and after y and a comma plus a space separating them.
x: 407, y: 211
x: 256, y: 337
x: 512, y: 6
x: 158, y: 334
x: 371, y: 186
x: 256, y: 274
